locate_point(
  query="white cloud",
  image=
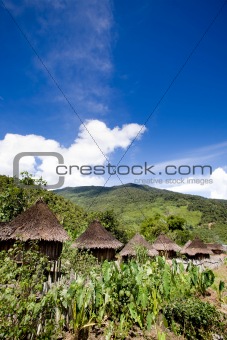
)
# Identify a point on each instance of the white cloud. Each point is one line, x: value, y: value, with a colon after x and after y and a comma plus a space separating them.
x: 212, y: 186
x: 219, y: 186
x: 94, y: 144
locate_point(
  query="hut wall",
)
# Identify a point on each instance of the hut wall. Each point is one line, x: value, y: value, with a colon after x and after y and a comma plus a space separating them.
x: 6, y: 245
x: 198, y: 256
x: 169, y: 254
x: 103, y: 254
x: 127, y: 258
x: 51, y: 249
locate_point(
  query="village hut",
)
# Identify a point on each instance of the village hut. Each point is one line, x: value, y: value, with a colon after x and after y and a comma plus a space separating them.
x: 196, y: 249
x: 165, y: 246
x: 39, y: 224
x: 100, y: 242
x: 130, y: 248
x: 5, y: 232
x: 216, y: 248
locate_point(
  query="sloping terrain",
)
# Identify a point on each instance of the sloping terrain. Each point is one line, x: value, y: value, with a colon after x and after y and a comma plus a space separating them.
x: 133, y: 203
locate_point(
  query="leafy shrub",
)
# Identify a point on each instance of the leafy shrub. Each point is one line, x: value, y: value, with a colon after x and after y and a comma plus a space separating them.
x: 194, y: 319
x: 25, y: 313
x: 200, y: 280
x: 77, y: 261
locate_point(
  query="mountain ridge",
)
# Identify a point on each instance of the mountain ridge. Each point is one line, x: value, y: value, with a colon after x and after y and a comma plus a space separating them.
x: 133, y: 203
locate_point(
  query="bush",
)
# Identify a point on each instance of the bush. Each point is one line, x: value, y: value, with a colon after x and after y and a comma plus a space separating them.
x: 195, y: 319
x: 25, y: 313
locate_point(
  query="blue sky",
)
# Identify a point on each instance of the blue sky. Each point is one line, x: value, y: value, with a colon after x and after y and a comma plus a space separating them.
x: 113, y: 60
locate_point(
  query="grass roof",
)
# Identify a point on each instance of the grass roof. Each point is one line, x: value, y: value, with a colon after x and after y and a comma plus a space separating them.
x: 96, y: 236
x: 163, y: 243
x: 5, y: 230
x: 195, y: 247
x: 215, y: 246
x: 37, y: 223
x: 138, y: 240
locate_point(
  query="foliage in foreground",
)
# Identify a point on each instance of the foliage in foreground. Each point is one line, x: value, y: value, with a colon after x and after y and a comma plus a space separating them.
x: 194, y: 319
x: 25, y: 313
x: 112, y: 296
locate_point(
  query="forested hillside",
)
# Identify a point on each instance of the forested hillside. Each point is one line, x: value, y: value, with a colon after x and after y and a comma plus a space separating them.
x: 75, y: 219
x: 135, y: 204
x: 124, y: 210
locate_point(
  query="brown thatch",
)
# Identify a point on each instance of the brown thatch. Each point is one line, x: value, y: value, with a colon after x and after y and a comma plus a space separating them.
x: 185, y: 246
x: 196, y: 247
x: 37, y: 223
x: 5, y: 231
x: 96, y: 237
x: 137, y: 240
x: 163, y: 243
x: 216, y: 247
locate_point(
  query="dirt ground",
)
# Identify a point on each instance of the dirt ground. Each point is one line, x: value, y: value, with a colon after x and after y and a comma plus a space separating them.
x: 135, y: 334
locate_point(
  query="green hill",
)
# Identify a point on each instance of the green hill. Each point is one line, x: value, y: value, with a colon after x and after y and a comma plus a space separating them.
x: 134, y: 203
x: 122, y: 209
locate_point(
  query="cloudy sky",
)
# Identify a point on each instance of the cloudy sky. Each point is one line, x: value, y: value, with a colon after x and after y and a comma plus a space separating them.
x: 127, y: 81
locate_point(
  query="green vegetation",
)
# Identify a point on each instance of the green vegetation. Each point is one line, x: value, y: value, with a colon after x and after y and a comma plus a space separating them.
x: 133, y: 204
x: 123, y: 210
x: 24, y: 313
x: 14, y: 200
x: 194, y: 319
x: 114, y: 298
x: 109, y: 298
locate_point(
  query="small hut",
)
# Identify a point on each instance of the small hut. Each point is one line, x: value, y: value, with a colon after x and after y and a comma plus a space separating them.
x: 196, y: 249
x: 165, y: 246
x: 138, y: 240
x: 100, y: 242
x: 216, y: 248
x: 38, y: 223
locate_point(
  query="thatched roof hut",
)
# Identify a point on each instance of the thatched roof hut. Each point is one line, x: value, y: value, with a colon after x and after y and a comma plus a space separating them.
x: 129, y: 249
x: 99, y: 241
x: 216, y: 248
x: 165, y: 246
x: 196, y: 249
x: 38, y: 223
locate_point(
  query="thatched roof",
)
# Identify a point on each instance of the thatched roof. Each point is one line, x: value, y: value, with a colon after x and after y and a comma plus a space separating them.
x: 196, y: 246
x: 163, y: 243
x: 138, y: 240
x: 96, y: 236
x: 215, y: 246
x: 37, y: 223
x: 185, y: 246
x: 5, y: 230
